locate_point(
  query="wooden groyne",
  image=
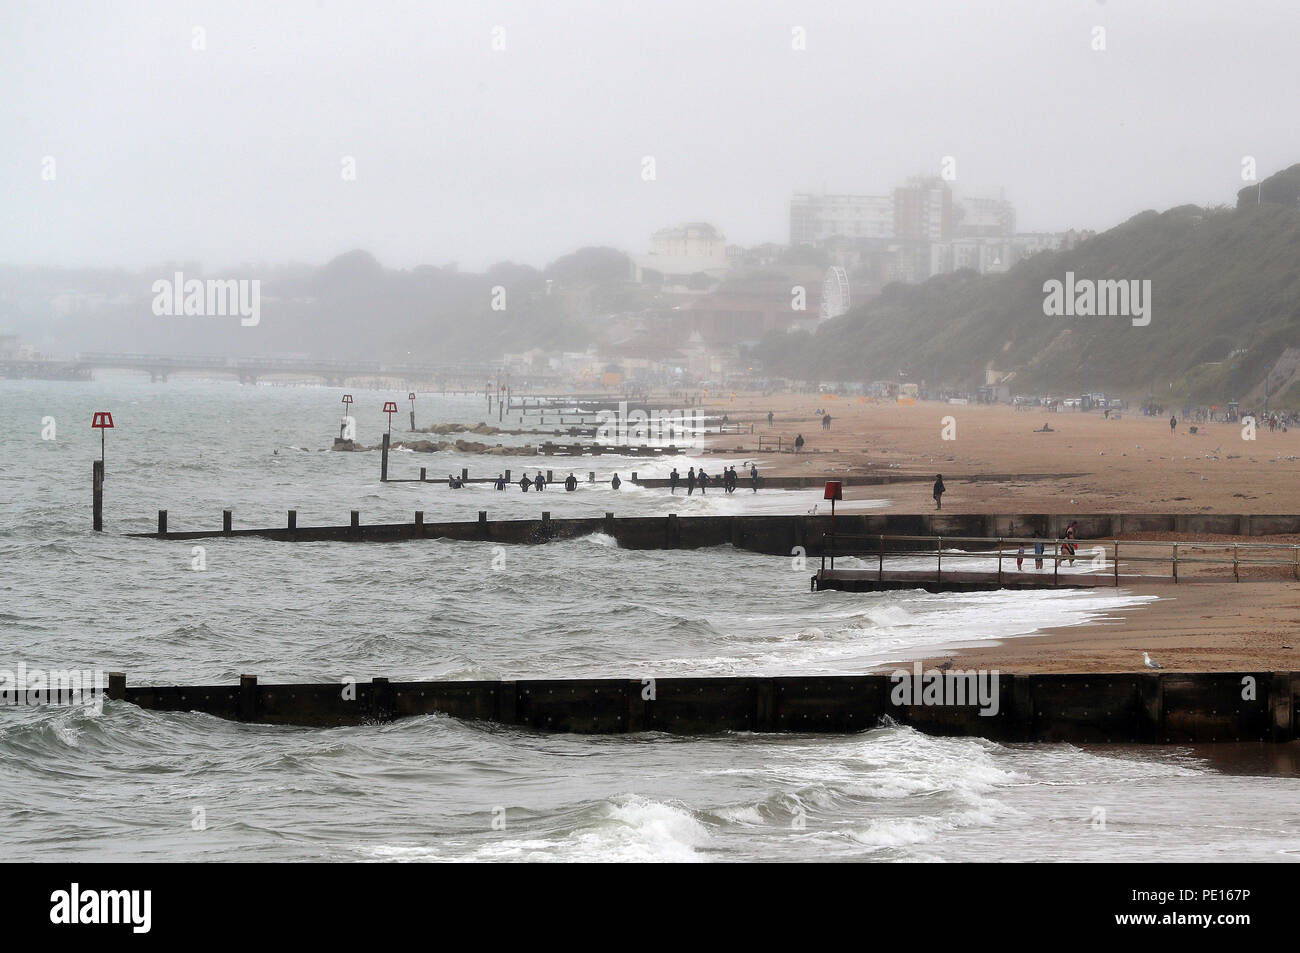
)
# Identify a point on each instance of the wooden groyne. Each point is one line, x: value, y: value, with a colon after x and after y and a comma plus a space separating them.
x: 1155, y: 707
x: 779, y: 535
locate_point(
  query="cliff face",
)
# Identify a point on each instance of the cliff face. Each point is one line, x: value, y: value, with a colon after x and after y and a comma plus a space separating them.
x: 1280, y: 189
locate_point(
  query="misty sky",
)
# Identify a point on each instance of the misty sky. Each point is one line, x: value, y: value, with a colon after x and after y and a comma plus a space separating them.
x: 233, y: 154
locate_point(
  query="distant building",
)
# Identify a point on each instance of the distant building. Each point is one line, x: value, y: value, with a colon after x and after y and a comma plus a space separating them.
x: 689, y: 257
x: 977, y: 216
x: 923, y: 210
x: 816, y: 218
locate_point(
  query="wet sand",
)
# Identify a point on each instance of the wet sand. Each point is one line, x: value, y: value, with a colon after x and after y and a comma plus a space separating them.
x: 1192, y: 627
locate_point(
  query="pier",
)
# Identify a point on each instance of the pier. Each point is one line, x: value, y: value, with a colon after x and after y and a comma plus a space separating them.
x: 1154, y: 708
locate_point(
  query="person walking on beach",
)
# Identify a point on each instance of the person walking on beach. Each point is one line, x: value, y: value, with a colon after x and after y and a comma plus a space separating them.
x: 939, y: 490
x: 753, y: 476
x: 672, y: 480
x: 826, y: 422
x: 770, y: 418
x: 571, y: 483
x: 1069, y: 547
x: 798, y: 443
x: 524, y: 483
x: 1173, y: 423
x: 690, y: 481
x: 615, y: 483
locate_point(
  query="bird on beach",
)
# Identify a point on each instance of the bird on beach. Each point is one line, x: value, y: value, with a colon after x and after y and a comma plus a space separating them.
x: 1149, y: 663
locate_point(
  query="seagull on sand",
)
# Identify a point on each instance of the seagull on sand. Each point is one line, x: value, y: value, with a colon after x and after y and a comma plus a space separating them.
x: 1150, y: 664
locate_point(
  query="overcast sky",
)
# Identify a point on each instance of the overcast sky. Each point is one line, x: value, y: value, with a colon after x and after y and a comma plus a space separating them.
x: 234, y: 153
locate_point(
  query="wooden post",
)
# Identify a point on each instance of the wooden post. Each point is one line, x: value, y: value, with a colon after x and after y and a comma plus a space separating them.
x: 383, y: 464
x: 1116, y: 557
x: 1056, y: 565
x: 226, y: 520
x: 464, y: 474
x: 1175, y: 562
x: 97, y: 494
x: 939, y: 553
x: 1236, y: 577
x: 609, y: 524
x: 880, y: 574
x: 482, y: 524
x: 507, y: 476
x: 293, y: 519
x: 423, y: 471
x: 419, y: 522
x: 999, y: 560
x: 634, y: 476
x: 247, y: 697
x: 550, y: 477
x: 356, y: 524
x: 117, y: 686
x: 162, y: 522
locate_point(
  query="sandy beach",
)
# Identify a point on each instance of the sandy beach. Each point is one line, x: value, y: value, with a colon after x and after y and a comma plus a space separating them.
x: 1089, y: 463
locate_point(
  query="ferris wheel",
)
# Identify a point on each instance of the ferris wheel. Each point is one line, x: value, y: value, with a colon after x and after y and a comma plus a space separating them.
x: 835, y: 292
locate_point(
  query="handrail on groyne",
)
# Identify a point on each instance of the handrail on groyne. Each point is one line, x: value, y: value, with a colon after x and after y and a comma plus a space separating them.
x: 1098, y: 552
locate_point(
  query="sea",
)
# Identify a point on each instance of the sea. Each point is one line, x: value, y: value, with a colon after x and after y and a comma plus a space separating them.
x: 113, y: 782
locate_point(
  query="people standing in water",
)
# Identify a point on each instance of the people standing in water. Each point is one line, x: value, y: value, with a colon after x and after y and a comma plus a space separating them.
x: 524, y: 483
x: 672, y: 480
x: 753, y: 476
x: 939, y: 490
x: 539, y: 482
x: 690, y: 481
x: 615, y: 483
x: 501, y: 481
x: 703, y: 480
x: 571, y: 483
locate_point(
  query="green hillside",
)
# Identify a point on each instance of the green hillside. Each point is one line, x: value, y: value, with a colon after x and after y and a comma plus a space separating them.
x: 1225, y: 289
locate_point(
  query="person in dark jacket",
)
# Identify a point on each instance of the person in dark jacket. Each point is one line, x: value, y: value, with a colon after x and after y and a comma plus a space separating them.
x: 798, y: 443
x: 571, y: 483
x: 753, y: 476
x: 690, y: 481
x: 539, y: 481
x: 615, y: 483
x: 939, y: 490
x: 524, y: 483
x: 501, y: 481
x: 672, y: 480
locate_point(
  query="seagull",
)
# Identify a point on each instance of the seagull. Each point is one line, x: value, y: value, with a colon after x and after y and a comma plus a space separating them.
x: 1150, y: 664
